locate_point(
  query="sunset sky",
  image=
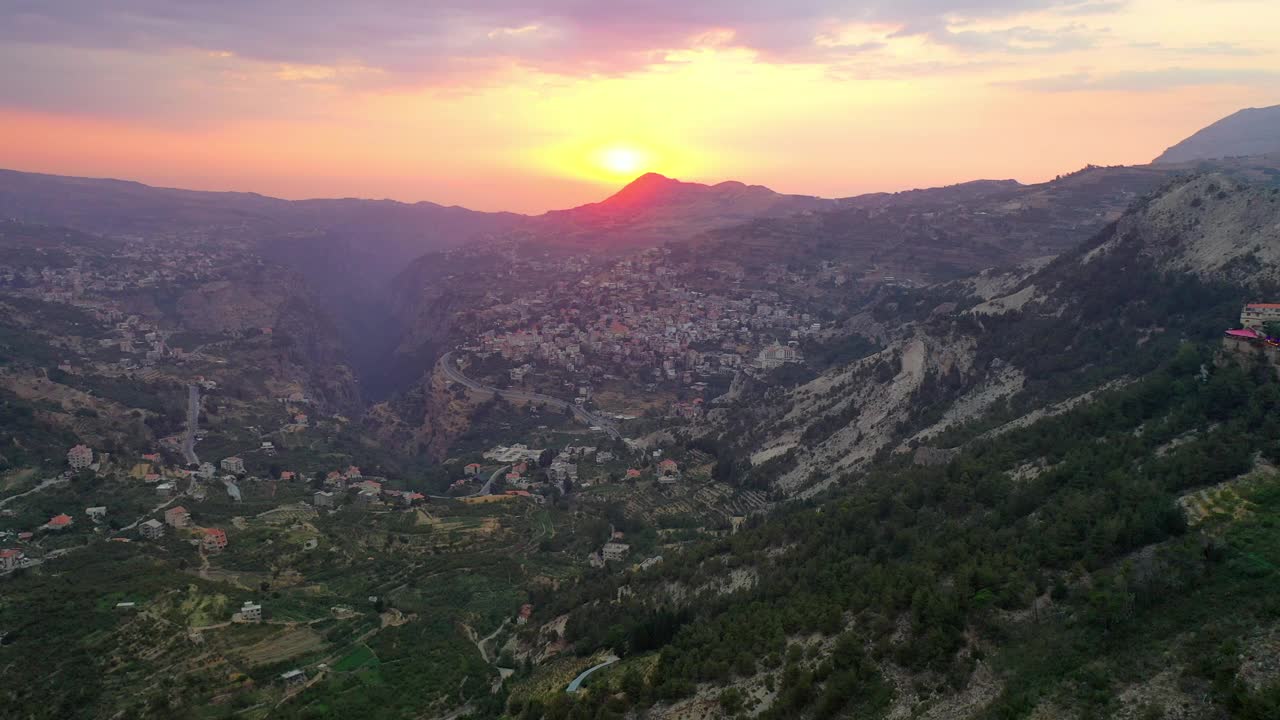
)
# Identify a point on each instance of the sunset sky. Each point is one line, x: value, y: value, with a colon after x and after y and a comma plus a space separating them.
x: 526, y: 105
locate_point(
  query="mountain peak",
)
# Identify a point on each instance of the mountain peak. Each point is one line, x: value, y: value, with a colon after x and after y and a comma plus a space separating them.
x: 648, y: 189
x: 1248, y: 132
x: 652, y: 178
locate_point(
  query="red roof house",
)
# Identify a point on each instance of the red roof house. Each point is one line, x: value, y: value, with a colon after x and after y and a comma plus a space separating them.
x: 214, y: 540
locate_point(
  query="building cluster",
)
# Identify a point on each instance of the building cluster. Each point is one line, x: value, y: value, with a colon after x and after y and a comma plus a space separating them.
x: 645, y: 317
x: 364, y: 491
x: 83, y: 276
x: 211, y: 540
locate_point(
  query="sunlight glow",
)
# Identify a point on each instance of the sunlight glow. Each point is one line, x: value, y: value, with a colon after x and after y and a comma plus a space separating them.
x: 622, y: 160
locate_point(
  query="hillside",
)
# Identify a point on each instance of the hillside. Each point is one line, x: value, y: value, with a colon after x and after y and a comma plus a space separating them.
x: 944, y: 233
x: 1071, y: 527
x: 1252, y: 131
x: 953, y: 353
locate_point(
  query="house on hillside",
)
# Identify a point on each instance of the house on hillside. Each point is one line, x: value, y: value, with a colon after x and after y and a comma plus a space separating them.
x: 323, y: 499
x: 96, y: 514
x: 151, y: 529
x: 293, y: 678
x: 233, y: 465
x: 250, y: 612
x: 615, y: 551
x: 777, y: 355
x: 58, y: 522
x: 472, y: 469
x: 1257, y: 315
x: 177, y: 517
x: 10, y: 559
x: 214, y: 540
x: 526, y: 611
x: 80, y: 457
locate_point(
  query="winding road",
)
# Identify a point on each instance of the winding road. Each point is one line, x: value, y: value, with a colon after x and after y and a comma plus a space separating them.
x: 577, y: 682
x: 193, y: 421
x: 48, y: 483
x: 484, y: 489
x: 583, y: 415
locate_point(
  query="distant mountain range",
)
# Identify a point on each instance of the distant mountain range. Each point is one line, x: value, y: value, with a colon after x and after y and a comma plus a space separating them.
x: 1250, y: 132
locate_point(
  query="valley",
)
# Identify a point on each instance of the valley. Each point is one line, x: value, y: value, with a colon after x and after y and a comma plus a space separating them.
x: 694, y: 451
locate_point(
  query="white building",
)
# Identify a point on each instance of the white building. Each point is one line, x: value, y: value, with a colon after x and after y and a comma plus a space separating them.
x: 1256, y: 315
x: 233, y: 464
x: 80, y: 457
x: 775, y: 356
x: 151, y: 529
x: 615, y: 551
x: 294, y: 678
x: 251, y: 612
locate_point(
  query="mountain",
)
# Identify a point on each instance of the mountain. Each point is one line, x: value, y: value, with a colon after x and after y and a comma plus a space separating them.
x: 1252, y: 131
x: 1048, y: 499
x: 1174, y: 268
x: 377, y: 236
x: 655, y: 209
x: 926, y: 236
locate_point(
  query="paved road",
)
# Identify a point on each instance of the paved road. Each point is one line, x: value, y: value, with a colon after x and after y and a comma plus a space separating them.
x: 582, y: 414
x: 193, y: 421
x: 50, y: 482
x: 577, y: 682
x: 484, y: 489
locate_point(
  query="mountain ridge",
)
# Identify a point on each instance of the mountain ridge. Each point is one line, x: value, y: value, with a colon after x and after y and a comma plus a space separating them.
x: 1247, y: 132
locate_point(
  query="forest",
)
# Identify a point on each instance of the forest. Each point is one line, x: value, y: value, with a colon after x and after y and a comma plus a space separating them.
x: 1073, y: 520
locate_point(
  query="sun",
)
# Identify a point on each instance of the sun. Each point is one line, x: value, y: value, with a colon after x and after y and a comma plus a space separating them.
x: 622, y: 160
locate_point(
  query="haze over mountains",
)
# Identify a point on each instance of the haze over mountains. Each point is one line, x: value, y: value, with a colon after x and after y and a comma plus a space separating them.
x: 349, y: 251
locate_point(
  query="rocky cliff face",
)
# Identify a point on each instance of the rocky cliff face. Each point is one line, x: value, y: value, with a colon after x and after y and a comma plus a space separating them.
x: 1002, y: 345
x: 423, y: 421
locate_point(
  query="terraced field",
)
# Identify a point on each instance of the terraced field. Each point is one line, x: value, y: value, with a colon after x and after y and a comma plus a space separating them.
x: 1223, y: 501
x: 713, y: 503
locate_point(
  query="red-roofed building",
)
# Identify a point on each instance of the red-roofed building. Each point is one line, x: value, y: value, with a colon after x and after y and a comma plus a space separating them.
x: 177, y: 517
x: 667, y: 465
x: 1256, y: 315
x: 633, y: 474
x: 59, y: 522
x: 151, y: 457
x: 10, y: 558
x: 214, y: 540
x: 287, y: 475
x: 472, y: 469
x: 526, y: 612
